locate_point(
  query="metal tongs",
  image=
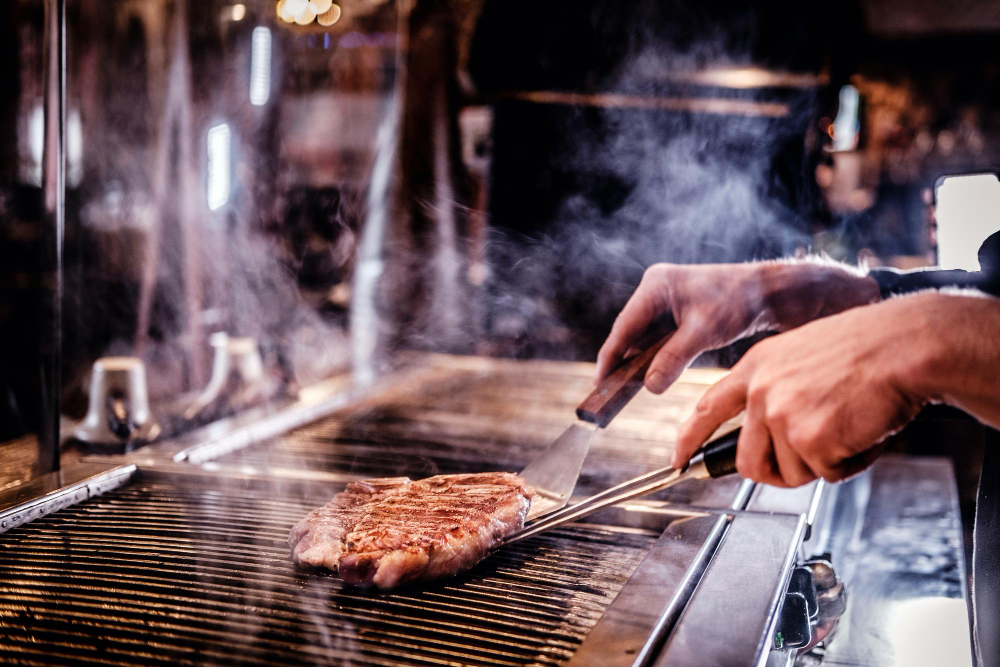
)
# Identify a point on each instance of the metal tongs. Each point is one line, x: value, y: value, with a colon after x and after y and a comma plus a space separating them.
x: 555, y: 471
x: 715, y: 459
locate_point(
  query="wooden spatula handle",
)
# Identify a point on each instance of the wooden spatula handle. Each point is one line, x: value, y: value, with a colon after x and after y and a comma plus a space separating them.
x: 616, y: 390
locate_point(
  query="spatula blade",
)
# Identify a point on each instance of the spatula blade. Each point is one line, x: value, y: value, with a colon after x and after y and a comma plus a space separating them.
x: 554, y: 472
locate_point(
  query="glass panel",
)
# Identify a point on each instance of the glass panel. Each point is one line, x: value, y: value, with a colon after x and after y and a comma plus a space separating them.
x: 218, y: 160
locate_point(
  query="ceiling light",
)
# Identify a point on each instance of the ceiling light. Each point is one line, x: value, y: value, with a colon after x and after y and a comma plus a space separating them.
x: 330, y: 16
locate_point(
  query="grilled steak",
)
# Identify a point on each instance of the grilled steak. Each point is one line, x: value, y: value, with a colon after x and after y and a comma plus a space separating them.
x: 393, y: 530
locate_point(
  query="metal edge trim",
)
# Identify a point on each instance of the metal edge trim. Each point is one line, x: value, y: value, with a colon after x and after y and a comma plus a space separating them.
x: 817, y: 500
x: 743, y: 495
x: 685, y: 645
x: 70, y: 494
x: 234, y: 433
x: 209, y: 470
x: 686, y: 587
x: 778, y: 598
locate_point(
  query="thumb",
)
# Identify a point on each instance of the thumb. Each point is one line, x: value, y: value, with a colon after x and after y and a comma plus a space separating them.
x: 673, y: 358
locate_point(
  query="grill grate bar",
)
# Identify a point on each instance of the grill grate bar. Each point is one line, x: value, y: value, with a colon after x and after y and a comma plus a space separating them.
x: 110, y: 598
x: 153, y: 573
x: 216, y: 596
x: 180, y: 638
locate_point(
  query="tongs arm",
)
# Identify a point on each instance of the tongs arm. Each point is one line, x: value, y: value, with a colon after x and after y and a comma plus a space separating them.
x: 715, y: 459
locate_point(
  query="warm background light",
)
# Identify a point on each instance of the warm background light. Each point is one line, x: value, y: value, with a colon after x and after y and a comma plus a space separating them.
x: 306, y: 17
x: 284, y: 13
x: 304, y: 12
x: 331, y: 16
x: 296, y: 7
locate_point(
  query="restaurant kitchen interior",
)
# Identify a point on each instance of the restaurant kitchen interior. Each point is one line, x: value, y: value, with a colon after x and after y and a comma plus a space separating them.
x: 253, y: 251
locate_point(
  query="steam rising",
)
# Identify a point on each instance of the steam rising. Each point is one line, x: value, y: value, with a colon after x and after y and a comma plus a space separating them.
x: 660, y: 186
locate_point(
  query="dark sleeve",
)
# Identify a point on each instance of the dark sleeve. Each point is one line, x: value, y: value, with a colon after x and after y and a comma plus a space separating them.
x: 987, y: 279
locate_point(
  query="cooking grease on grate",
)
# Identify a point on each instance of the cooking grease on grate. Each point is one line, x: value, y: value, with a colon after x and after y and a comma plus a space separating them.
x: 153, y: 573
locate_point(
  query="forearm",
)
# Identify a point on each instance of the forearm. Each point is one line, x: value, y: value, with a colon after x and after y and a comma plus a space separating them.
x: 957, y: 358
x: 794, y: 292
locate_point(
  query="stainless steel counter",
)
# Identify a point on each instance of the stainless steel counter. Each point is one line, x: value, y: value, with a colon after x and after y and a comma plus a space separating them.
x: 905, y: 573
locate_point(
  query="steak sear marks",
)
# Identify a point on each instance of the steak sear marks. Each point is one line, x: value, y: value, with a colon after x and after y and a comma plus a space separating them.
x: 393, y: 531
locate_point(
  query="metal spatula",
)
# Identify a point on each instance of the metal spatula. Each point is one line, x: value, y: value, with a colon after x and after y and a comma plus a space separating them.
x: 715, y: 459
x: 554, y: 472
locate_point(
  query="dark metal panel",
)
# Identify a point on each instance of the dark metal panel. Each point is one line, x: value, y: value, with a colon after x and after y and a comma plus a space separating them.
x: 654, y: 597
x: 730, y: 619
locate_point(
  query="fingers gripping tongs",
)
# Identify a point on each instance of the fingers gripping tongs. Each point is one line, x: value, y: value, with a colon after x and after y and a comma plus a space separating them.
x: 555, y: 471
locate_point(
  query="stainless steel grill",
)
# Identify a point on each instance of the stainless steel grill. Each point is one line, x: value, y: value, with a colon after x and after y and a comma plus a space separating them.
x: 463, y: 416
x: 187, y: 563
x: 157, y: 572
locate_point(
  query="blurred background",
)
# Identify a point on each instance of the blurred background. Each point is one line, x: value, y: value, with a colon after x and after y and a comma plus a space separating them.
x: 302, y: 189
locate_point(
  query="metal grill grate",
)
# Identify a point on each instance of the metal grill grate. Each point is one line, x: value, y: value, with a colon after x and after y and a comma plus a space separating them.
x: 464, y: 418
x: 153, y: 573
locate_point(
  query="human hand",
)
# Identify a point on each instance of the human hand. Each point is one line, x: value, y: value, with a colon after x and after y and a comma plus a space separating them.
x: 713, y: 305
x: 821, y: 398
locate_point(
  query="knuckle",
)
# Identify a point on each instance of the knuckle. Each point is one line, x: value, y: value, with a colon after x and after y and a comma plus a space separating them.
x: 658, y: 269
x: 757, y: 393
x: 780, y: 482
x: 653, y: 273
x: 826, y: 465
x: 776, y: 413
x: 807, y: 437
x: 667, y: 361
x: 749, y: 467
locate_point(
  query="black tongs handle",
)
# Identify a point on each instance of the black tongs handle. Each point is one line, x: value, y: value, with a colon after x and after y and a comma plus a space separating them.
x: 718, y: 456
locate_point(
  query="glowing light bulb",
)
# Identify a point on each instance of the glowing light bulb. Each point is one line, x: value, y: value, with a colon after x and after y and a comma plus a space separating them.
x: 306, y: 17
x: 260, y: 66
x: 283, y: 11
x: 330, y: 16
x: 321, y: 6
x: 218, y: 166
x: 239, y: 11
x: 296, y: 7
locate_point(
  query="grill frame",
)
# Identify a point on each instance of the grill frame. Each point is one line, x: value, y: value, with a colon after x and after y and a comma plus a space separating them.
x: 212, y: 456
x: 93, y: 527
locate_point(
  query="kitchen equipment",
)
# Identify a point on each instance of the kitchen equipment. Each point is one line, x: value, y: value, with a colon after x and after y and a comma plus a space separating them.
x: 716, y: 459
x: 187, y: 559
x: 118, y: 413
x: 238, y: 379
x: 555, y: 471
